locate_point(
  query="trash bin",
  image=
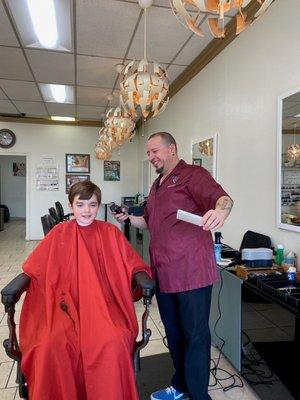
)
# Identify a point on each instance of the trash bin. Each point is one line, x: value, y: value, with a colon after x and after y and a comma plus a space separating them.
x: 1, y: 219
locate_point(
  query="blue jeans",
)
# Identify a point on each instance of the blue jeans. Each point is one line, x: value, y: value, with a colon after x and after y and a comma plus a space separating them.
x: 185, y: 316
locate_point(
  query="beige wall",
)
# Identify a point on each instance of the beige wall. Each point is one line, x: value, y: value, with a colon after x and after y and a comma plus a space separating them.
x: 236, y: 97
x: 34, y: 140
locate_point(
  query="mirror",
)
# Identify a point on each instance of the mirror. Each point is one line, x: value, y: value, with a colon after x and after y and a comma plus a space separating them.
x: 288, y: 161
x: 204, y: 153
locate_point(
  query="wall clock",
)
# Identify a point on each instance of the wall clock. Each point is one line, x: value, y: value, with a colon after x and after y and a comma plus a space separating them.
x: 7, y: 138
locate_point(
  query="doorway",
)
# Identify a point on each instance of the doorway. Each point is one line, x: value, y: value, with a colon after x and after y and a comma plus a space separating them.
x: 13, y: 192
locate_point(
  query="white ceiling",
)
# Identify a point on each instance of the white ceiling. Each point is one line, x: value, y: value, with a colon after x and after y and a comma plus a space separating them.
x: 104, y: 33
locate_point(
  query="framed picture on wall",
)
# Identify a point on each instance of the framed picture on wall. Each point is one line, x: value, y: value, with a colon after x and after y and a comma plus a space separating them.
x: 111, y: 170
x: 79, y: 163
x: 71, y: 179
x: 197, y: 161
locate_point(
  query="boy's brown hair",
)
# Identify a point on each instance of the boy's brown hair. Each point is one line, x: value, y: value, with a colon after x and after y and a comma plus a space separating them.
x: 85, y: 190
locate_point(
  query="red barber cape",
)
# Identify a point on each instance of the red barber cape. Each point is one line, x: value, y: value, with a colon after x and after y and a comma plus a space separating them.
x: 78, y: 325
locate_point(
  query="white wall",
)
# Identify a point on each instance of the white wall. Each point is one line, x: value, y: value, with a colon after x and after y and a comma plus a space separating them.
x: 236, y: 96
x: 34, y: 140
x: 13, y: 188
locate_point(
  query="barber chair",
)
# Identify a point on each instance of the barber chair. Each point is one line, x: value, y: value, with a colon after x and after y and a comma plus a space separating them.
x: 47, y: 223
x: 60, y: 212
x: 11, y: 294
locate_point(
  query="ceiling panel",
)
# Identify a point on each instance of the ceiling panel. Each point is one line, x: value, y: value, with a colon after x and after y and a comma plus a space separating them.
x: 165, y: 36
x: 88, y: 112
x: 2, y: 95
x: 92, y: 96
x: 61, y: 110
x: 52, y: 67
x: 96, y: 71
x: 20, y: 90
x: 7, y: 107
x: 13, y: 64
x: 174, y: 71
x: 31, y: 108
x: 105, y: 27
x: 194, y: 46
x: 7, y: 35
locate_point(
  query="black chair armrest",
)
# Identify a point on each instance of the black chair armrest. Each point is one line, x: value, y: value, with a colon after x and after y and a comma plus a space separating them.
x: 12, y: 292
x: 67, y: 216
x: 146, y: 284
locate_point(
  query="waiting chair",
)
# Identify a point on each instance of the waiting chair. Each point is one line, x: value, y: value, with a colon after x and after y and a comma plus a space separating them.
x: 54, y: 215
x: 60, y: 212
x: 11, y: 294
x: 47, y: 223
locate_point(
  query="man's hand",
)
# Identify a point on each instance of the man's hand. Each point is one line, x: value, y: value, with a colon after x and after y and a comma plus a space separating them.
x: 214, y: 219
x: 121, y: 217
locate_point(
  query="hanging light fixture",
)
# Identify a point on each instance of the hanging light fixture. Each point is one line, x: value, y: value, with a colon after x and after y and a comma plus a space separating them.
x: 190, y: 13
x: 206, y: 147
x: 144, y: 84
x: 118, y: 127
x: 293, y: 151
x: 119, y: 124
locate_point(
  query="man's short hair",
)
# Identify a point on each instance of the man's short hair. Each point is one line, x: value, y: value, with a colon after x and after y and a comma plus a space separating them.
x: 85, y: 190
x: 166, y: 137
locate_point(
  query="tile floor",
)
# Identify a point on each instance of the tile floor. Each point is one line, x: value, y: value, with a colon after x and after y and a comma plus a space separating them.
x: 13, y: 251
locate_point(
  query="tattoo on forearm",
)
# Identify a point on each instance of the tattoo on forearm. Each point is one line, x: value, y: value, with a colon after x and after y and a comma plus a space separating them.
x: 224, y: 203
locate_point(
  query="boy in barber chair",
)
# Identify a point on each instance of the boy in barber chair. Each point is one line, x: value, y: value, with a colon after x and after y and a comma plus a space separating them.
x: 78, y: 325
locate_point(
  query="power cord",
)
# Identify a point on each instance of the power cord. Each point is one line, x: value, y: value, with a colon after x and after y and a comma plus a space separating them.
x: 237, y: 381
x: 252, y: 364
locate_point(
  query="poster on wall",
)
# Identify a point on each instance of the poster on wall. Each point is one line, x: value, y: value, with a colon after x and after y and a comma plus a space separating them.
x: 71, y: 179
x: 47, y: 178
x: 111, y: 170
x: 19, y: 169
x: 78, y: 163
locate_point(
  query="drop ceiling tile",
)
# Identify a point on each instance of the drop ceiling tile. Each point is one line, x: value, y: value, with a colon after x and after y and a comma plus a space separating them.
x: 6, y: 107
x: 52, y: 67
x: 7, y: 35
x: 105, y: 27
x: 2, y: 95
x: 20, y: 90
x: 165, y: 36
x: 32, y: 108
x: 13, y: 64
x: 87, y: 112
x: 194, y: 46
x: 92, y: 96
x: 174, y: 71
x: 61, y: 110
x: 97, y: 71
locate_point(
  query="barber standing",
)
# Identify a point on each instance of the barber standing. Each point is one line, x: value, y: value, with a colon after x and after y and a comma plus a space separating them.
x: 182, y: 257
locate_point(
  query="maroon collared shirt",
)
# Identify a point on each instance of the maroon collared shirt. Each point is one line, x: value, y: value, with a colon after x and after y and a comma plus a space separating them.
x: 182, y: 254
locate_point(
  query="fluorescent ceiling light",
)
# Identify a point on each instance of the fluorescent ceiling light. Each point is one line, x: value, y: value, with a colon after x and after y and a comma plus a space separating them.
x: 56, y: 118
x: 42, y: 13
x: 58, y: 93
x: 43, y: 23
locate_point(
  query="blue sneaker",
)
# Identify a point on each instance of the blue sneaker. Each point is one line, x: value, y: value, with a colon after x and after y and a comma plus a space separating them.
x: 169, y: 394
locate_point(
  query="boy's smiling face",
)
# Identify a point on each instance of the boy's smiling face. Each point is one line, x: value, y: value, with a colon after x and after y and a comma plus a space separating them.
x: 85, y: 211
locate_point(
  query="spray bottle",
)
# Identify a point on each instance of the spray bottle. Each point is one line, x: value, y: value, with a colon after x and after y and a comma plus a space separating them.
x: 218, y: 246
